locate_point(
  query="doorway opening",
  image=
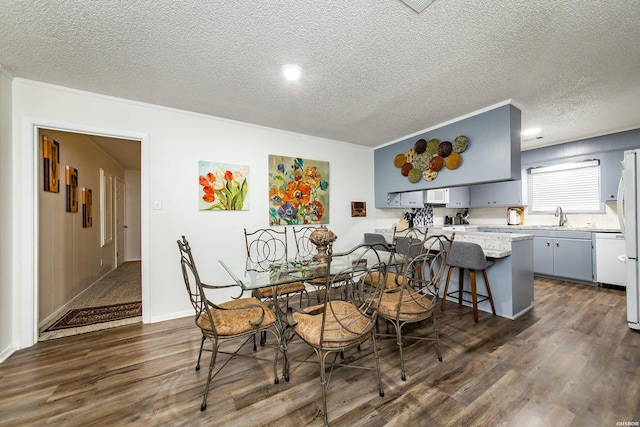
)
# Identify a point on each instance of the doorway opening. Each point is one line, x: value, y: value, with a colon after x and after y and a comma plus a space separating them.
x: 89, y: 262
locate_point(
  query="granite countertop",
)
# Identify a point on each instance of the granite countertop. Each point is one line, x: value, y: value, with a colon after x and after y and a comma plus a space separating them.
x: 546, y: 227
x: 494, y: 245
x: 497, y: 245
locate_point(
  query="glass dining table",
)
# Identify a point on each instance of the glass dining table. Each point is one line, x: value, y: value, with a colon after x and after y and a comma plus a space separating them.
x: 354, y: 261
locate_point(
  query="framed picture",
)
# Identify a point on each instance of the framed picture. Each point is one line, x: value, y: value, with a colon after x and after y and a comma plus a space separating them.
x: 358, y: 209
x: 71, y: 175
x: 51, y: 157
x: 223, y: 186
x: 87, y: 217
x: 298, y: 191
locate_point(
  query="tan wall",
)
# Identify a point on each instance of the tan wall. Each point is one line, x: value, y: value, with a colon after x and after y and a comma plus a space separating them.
x: 71, y: 257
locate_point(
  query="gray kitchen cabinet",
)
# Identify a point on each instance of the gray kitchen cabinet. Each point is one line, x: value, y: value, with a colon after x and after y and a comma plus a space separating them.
x: 458, y: 197
x: 489, y: 132
x: 393, y: 200
x: 413, y: 199
x: 410, y: 199
x: 506, y: 193
x: 570, y: 258
x: 610, y: 170
x: 543, y: 256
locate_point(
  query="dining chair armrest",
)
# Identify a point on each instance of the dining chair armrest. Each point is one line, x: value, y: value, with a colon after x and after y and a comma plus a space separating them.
x: 233, y: 285
x: 290, y: 322
x: 218, y: 286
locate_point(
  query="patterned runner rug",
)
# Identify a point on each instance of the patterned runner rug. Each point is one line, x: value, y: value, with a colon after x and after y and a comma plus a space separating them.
x: 93, y: 315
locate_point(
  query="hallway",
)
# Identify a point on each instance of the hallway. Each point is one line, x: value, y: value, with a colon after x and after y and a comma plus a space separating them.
x: 119, y: 286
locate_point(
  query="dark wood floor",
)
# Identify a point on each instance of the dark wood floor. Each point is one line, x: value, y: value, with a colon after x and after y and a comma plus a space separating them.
x: 571, y: 361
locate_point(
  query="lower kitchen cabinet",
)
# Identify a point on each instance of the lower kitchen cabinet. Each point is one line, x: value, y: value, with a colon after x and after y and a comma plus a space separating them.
x: 563, y: 257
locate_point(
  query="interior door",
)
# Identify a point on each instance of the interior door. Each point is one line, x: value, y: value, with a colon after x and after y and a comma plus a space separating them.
x: 120, y: 225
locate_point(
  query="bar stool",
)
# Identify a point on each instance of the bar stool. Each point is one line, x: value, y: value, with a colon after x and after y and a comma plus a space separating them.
x: 470, y: 256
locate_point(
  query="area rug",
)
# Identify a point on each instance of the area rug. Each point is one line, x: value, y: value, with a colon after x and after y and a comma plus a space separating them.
x: 92, y: 315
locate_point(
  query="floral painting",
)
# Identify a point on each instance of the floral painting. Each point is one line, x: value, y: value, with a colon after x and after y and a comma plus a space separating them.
x: 298, y: 191
x: 223, y: 186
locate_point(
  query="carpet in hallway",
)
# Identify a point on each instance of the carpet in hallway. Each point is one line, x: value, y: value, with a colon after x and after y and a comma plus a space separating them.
x: 93, y: 315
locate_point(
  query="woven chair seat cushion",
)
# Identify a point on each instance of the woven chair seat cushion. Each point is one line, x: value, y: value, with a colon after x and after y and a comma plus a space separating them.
x: 236, y: 319
x: 289, y: 288
x: 415, y: 305
x: 344, y: 324
x: 375, y: 279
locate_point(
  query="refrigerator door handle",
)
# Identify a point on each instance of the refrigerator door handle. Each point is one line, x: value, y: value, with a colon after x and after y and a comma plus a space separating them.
x: 620, y: 203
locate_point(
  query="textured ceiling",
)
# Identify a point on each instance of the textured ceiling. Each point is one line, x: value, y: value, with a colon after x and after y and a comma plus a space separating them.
x: 373, y: 71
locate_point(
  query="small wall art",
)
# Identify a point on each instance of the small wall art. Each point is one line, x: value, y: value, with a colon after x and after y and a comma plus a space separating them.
x: 298, y: 191
x: 51, y: 157
x: 223, y: 186
x: 71, y: 175
x: 87, y: 217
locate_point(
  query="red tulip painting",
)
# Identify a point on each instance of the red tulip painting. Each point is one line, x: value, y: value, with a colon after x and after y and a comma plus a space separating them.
x: 223, y: 186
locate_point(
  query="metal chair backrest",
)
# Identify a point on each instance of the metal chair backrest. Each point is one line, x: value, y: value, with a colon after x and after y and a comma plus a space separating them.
x: 346, y: 269
x: 190, y: 274
x: 304, y: 247
x: 434, y: 261
x: 194, y: 285
x: 266, y: 247
x: 371, y: 238
x: 409, y: 243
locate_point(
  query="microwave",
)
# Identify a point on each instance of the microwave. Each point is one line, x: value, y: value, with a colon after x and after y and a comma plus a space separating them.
x: 439, y: 196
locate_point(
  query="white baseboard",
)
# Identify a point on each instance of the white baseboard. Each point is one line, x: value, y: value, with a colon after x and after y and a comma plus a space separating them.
x: 4, y: 355
x: 171, y: 316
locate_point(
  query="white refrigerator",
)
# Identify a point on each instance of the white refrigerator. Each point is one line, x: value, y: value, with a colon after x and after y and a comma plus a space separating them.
x: 629, y: 216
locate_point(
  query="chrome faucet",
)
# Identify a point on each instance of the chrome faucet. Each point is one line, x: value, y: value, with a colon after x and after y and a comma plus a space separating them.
x: 563, y: 218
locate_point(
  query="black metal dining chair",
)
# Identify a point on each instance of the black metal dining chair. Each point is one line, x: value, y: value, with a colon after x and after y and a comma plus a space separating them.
x: 237, y: 319
x: 344, y: 320
x: 267, y: 247
x: 416, y: 295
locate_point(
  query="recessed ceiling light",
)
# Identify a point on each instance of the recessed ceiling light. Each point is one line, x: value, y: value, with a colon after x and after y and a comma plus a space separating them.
x: 291, y: 72
x: 531, y: 131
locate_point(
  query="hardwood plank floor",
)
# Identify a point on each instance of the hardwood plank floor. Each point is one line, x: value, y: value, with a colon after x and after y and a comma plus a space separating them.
x: 571, y: 361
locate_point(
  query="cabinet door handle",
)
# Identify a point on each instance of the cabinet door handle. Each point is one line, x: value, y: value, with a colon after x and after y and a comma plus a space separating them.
x: 548, y: 244
x: 557, y: 245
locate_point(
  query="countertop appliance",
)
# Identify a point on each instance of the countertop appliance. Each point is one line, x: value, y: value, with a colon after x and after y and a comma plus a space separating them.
x: 629, y: 217
x: 515, y: 216
x: 610, y: 258
x: 439, y: 196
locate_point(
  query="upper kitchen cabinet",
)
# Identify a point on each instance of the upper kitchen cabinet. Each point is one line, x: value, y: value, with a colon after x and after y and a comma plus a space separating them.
x: 458, y: 197
x: 490, y: 153
x: 507, y: 193
x: 410, y: 199
x: 610, y: 172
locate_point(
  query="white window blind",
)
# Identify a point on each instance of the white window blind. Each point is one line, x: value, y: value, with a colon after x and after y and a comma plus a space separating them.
x: 573, y: 186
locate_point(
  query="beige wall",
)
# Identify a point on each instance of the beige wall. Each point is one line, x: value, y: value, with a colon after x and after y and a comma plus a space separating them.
x: 71, y: 257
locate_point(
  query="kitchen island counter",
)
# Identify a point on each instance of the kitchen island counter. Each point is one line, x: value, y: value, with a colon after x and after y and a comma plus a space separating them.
x: 511, y: 277
x: 494, y: 245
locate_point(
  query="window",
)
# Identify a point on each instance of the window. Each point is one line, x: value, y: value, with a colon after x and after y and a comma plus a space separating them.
x: 573, y: 186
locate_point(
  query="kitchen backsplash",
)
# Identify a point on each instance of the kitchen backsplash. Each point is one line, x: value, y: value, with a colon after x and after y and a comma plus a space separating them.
x: 387, y: 218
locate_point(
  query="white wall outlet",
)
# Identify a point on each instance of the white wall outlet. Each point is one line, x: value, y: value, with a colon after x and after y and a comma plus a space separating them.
x: 157, y: 205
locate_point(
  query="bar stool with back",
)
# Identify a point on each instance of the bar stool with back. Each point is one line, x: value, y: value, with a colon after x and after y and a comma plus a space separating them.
x: 470, y: 256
